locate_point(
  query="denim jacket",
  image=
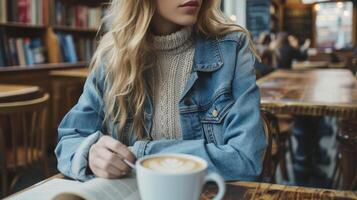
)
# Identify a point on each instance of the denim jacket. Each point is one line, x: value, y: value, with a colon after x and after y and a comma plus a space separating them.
x: 219, y: 115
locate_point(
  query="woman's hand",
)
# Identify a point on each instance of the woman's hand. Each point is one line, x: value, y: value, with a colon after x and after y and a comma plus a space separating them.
x: 106, y: 158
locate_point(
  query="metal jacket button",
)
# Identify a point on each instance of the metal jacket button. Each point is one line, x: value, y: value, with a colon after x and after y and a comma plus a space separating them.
x: 215, y: 113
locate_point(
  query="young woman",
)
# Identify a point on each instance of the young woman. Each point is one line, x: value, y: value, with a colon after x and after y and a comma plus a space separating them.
x: 169, y: 76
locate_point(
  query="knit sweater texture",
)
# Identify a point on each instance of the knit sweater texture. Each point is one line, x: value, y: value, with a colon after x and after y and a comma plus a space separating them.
x: 173, y: 66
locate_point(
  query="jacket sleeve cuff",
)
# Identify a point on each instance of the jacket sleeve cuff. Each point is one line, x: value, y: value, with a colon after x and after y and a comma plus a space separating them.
x: 80, y: 162
x: 139, y: 148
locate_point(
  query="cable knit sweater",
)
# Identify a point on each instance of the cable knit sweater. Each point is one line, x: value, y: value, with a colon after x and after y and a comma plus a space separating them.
x: 173, y: 66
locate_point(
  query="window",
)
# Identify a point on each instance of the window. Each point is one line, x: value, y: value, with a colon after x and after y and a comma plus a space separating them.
x: 334, y: 25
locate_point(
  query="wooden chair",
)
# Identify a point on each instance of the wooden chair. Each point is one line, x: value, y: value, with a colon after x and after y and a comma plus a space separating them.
x: 354, y: 66
x: 285, y: 123
x: 23, y: 127
x: 270, y: 160
x: 346, y: 160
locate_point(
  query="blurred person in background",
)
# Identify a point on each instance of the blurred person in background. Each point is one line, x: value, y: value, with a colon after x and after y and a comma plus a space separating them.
x: 263, y: 42
x: 286, y: 48
x: 266, y: 55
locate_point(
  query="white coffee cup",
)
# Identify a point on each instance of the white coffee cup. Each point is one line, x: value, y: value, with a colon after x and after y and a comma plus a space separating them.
x: 178, y: 184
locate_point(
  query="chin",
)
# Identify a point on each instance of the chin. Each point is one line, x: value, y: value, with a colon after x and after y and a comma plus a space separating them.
x: 187, y: 21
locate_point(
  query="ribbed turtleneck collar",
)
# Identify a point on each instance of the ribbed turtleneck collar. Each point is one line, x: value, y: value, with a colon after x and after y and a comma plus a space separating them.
x: 176, y: 40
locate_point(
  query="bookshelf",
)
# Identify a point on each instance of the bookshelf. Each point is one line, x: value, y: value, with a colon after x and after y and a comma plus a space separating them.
x: 298, y: 19
x: 48, y: 34
x: 20, y: 25
x: 46, y: 66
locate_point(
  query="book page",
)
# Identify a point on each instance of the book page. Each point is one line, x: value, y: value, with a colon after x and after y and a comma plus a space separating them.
x: 47, y: 190
x: 98, y: 188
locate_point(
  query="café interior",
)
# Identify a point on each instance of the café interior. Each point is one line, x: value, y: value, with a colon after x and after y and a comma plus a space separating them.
x: 307, y: 80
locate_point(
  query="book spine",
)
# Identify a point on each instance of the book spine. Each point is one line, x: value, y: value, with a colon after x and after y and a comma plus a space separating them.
x: 64, y: 52
x: 81, y: 49
x: 77, y: 11
x: 29, y: 11
x: 2, y: 58
x: 85, y: 16
x: 40, y: 12
x: 58, y: 13
x: 22, y: 10
x: 2, y: 52
x: 88, y: 50
x: 28, y: 52
x: 20, y: 51
x: 53, y: 42
x: 13, y: 8
x: 78, y: 15
x: 37, y: 51
x: 3, y: 11
x: 5, y: 48
x: 13, y: 51
x: 46, y: 12
x: 72, y: 55
x: 33, y: 12
x: 72, y: 17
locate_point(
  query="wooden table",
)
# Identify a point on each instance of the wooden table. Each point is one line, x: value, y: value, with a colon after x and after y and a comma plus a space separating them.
x: 265, y: 191
x: 322, y: 92
x: 309, y: 65
x: 313, y: 92
x: 253, y: 190
x: 10, y: 93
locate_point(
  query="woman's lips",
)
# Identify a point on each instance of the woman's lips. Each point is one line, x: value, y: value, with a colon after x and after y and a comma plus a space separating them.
x: 190, y: 6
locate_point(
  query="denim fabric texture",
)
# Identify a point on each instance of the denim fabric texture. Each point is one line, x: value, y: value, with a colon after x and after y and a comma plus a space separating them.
x: 219, y: 115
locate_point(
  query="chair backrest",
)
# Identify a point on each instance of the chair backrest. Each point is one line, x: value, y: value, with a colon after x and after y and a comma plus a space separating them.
x: 354, y: 66
x: 23, y: 132
x: 271, y: 130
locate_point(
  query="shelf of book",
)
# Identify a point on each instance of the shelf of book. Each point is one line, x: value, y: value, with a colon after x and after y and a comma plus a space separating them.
x: 21, y: 25
x: 36, y: 33
x: 38, y: 36
x: 75, y: 29
x: 51, y: 66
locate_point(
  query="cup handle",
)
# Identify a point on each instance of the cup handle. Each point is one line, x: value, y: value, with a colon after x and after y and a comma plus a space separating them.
x: 220, y: 183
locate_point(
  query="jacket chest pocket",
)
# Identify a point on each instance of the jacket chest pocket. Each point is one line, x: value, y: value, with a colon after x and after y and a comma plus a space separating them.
x: 213, y: 118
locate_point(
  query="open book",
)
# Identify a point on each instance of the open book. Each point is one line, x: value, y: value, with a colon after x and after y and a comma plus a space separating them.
x: 97, y: 188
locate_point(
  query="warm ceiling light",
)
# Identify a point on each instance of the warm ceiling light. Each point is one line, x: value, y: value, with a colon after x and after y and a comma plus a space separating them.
x: 339, y: 4
x: 317, y: 7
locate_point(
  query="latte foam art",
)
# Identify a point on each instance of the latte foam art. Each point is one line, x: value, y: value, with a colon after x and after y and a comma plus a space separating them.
x: 172, y: 165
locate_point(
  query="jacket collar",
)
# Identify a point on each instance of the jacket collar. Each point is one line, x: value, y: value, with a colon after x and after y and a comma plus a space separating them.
x: 207, y: 56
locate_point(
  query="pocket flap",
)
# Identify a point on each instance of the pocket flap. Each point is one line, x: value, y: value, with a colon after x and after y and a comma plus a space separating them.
x: 218, y: 109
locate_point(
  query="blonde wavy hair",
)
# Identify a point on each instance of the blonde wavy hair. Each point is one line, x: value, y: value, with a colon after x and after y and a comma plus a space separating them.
x: 125, y: 49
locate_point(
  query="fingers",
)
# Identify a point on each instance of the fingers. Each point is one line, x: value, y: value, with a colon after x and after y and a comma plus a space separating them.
x: 104, y: 174
x: 104, y: 165
x: 112, y: 158
x: 117, y: 147
x: 106, y: 158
